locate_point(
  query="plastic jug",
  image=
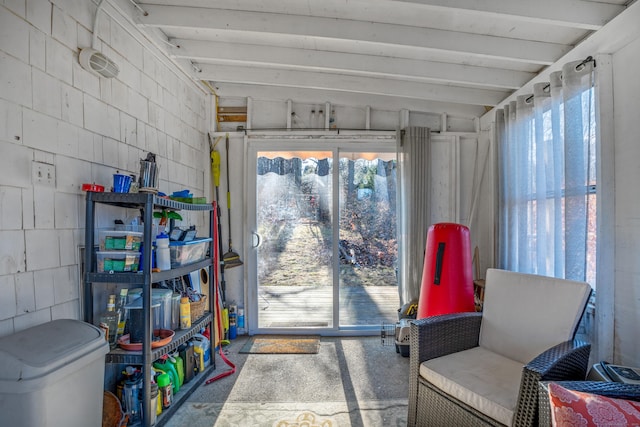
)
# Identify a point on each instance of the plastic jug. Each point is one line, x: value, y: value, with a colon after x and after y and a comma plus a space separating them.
x: 199, y: 356
x: 186, y: 354
x: 168, y: 368
x: 201, y: 341
x: 178, y: 365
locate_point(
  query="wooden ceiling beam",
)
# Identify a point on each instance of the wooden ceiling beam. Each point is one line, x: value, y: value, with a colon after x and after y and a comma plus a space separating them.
x: 354, y: 100
x: 346, y: 83
x: 308, y: 28
x: 338, y: 62
x: 587, y: 15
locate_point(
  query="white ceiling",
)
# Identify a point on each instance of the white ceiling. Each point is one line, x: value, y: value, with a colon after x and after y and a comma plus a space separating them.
x: 455, y: 56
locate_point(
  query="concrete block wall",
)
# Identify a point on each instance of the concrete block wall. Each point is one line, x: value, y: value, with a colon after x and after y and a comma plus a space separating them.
x: 57, y: 116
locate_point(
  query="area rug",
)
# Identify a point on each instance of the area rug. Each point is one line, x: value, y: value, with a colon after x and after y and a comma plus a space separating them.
x: 281, y: 345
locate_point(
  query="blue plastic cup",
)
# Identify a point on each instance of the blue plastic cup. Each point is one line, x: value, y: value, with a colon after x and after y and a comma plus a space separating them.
x: 121, y: 183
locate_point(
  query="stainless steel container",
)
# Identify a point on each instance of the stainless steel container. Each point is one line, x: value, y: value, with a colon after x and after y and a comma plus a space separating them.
x: 148, y: 175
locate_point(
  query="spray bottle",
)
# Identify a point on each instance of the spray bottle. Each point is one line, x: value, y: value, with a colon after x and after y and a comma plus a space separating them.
x: 168, y: 368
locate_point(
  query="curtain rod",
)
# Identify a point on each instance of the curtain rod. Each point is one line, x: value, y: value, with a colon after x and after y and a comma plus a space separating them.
x: 578, y: 68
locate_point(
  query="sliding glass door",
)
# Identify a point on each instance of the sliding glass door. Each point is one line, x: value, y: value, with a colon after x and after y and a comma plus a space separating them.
x: 322, y: 219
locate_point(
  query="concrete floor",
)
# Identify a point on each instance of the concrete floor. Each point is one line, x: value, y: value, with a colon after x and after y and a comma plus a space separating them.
x: 350, y: 382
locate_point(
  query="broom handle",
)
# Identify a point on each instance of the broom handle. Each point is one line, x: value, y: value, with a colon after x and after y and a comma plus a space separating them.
x: 228, y: 190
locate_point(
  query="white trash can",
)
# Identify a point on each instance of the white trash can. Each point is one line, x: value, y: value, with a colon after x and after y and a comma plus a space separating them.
x: 53, y: 375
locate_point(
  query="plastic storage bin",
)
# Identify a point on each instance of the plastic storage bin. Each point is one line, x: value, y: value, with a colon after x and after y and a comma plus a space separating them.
x: 118, y: 261
x: 117, y: 240
x: 183, y: 253
x: 53, y: 375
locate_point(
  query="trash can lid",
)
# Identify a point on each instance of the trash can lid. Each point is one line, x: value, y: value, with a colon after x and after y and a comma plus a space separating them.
x: 44, y: 348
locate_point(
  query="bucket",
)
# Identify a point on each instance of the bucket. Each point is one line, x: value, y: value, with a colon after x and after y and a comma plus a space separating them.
x: 121, y: 183
x: 148, y: 174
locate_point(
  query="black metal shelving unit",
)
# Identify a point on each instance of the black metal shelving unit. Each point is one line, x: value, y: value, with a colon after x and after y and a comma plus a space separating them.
x: 147, y: 202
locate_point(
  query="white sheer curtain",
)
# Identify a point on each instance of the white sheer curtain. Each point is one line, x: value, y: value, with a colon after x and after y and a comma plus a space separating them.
x: 546, y: 145
x: 413, y: 168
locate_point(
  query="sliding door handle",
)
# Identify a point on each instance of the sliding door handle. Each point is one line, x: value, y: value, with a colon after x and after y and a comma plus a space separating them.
x: 257, y: 239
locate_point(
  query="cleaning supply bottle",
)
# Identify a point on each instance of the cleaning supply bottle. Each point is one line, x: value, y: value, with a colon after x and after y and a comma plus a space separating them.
x: 199, y: 355
x: 167, y: 367
x: 233, y: 325
x: 240, y: 320
x: 176, y: 361
x: 156, y: 374
x: 185, y: 313
x: 186, y: 354
x: 154, y: 399
x: 165, y: 390
x: 203, y: 342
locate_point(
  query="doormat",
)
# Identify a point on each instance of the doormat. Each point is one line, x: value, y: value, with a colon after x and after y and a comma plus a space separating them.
x: 281, y: 345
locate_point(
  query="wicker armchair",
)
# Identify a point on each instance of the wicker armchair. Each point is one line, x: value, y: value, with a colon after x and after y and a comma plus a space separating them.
x: 478, y: 369
x: 607, y: 389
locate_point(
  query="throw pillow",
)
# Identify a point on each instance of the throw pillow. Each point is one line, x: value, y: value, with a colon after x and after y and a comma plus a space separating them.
x: 580, y: 409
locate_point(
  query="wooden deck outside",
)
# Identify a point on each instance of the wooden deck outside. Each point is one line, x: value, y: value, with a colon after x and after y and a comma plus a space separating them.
x: 311, y: 306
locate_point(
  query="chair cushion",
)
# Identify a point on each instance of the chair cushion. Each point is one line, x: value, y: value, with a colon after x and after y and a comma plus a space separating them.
x: 576, y: 408
x: 486, y: 381
x: 525, y: 314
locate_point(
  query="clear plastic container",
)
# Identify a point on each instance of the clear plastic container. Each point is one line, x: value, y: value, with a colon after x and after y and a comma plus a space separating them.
x: 163, y: 297
x: 118, y: 261
x: 120, y: 240
x: 136, y: 319
x: 183, y: 253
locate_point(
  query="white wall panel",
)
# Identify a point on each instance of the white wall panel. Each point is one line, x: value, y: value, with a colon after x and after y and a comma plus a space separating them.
x: 71, y: 173
x: 64, y: 29
x: 43, y: 207
x: 25, y: 293
x: 67, y: 310
x: 15, y: 80
x: 8, y: 300
x: 43, y: 283
x: 40, y: 131
x: 10, y: 28
x: 71, y: 105
x: 68, y: 247
x: 59, y: 60
x: 12, y: 255
x: 627, y: 175
x: 66, y: 211
x: 10, y: 208
x: 42, y: 249
x: 28, y: 320
x: 39, y: 14
x: 28, y: 215
x: 65, y: 281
